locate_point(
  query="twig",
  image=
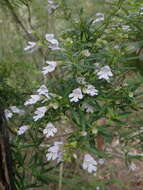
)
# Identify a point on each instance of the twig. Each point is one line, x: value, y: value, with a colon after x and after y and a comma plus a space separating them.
x: 61, y: 176
x: 16, y: 18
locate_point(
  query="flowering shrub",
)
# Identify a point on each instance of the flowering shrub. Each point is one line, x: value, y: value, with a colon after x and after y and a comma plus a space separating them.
x: 86, y: 95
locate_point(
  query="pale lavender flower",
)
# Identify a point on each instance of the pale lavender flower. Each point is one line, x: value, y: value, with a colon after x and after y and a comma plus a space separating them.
x: 89, y: 163
x: 50, y: 68
x: 39, y: 113
x: 105, y: 73
x: 54, y: 152
x: 43, y: 91
x: 50, y: 130
x: 49, y: 37
x: 100, y: 17
x: 54, y: 44
x: 34, y: 99
x: 90, y: 90
x: 76, y: 95
x: 22, y: 129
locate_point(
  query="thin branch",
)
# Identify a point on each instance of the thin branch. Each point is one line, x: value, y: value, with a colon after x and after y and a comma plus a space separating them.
x: 10, y: 7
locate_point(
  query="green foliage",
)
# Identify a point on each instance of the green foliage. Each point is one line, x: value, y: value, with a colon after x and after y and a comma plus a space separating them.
x: 87, y: 46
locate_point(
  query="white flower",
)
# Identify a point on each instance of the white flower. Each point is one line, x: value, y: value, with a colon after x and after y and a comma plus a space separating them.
x: 43, y: 91
x: 8, y: 114
x: 50, y: 68
x: 88, y: 108
x: 81, y: 80
x: 89, y: 163
x: 14, y: 109
x: 32, y: 100
x: 30, y: 47
x: 76, y: 95
x: 105, y: 73
x: 54, y: 152
x: 39, y: 113
x: 100, y: 17
x: 49, y: 37
x: 22, y: 129
x: 54, y: 44
x: 50, y: 130
x: 91, y: 90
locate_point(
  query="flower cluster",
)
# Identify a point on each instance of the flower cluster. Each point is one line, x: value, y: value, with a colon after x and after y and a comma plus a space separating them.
x: 84, y: 89
x: 77, y: 94
x: 43, y: 94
